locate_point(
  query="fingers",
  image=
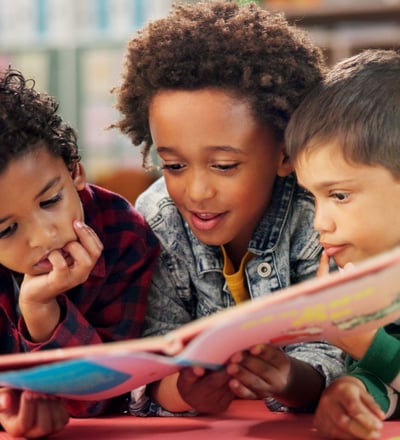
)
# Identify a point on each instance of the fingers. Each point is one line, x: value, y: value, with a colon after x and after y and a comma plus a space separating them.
x: 88, y: 238
x: 323, y: 268
x: 347, y: 411
x: 189, y: 376
x: 41, y: 415
x: 73, y: 264
x: 86, y: 251
x: 261, y: 372
x: 341, y: 426
x: 51, y: 415
x: 31, y: 415
x: 205, y: 391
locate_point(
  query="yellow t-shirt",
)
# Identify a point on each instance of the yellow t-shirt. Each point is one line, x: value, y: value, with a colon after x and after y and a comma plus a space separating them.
x: 236, y: 280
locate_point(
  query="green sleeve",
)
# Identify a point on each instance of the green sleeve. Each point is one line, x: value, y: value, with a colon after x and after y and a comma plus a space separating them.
x: 382, y: 359
x: 374, y: 386
x: 377, y: 369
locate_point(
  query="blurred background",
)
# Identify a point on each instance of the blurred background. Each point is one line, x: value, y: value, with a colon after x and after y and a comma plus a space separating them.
x: 74, y: 50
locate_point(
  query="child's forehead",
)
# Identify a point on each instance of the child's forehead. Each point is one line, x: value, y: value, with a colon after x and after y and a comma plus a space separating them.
x: 38, y: 154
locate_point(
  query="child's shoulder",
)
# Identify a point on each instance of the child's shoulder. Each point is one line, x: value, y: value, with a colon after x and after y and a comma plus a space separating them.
x: 107, y: 210
x: 95, y: 198
x: 155, y: 203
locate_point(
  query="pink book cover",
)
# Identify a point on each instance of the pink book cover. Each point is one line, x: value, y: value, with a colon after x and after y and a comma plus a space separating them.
x: 336, y: 305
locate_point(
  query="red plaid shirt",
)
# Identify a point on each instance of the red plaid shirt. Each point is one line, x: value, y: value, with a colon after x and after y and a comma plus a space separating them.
x: 111, y: 304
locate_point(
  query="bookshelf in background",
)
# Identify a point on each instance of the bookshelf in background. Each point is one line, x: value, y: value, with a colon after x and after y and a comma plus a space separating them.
x: 74, y: 50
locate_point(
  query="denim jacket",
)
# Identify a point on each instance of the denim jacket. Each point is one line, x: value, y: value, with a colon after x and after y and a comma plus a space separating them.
x: 188, y: 282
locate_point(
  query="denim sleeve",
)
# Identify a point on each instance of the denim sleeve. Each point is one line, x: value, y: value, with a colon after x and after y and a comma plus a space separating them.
x: 166, y: 311
x: 168, y: 307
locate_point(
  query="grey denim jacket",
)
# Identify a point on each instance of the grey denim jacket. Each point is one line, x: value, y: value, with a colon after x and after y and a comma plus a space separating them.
x: 188, y: 282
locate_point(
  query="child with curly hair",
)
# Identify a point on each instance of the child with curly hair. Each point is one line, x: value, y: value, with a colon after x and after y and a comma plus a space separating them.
x: 75, y: 259
x: 344, y: 141
x: 212, y: 86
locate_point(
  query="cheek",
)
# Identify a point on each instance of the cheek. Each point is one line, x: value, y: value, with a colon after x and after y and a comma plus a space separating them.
x: 75, y: 208
x: 15, y: 256
x: 174, y: 188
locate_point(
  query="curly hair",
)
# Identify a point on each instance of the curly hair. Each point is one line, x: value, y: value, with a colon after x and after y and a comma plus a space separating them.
x: 29, y: 120
x: 244, y: 49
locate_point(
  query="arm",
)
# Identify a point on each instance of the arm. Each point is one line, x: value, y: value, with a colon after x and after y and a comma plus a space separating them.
x: 382, y: 359
x: 192, y: 389
x: 289, y: 379
x: 111, y: 304
x: 38, y: 294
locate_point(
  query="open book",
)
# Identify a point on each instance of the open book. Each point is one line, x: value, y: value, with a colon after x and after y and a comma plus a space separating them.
x: 336, y: 305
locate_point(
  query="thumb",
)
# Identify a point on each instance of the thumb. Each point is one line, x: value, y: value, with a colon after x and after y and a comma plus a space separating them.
x: 348, y: 266
x: 323, y: 268
x: 5, y: 399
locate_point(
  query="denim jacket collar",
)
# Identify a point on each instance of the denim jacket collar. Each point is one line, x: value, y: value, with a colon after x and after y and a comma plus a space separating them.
x: 208, y: 258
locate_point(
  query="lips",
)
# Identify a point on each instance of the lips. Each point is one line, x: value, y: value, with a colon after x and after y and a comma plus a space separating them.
x: 332, y: 249
x: 205, y: 221
x: 44, y: 263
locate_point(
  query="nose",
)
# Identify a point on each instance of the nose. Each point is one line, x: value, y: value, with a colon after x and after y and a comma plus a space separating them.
x: 199, y: 186
x: 323, y: 221
x: 42, y: 233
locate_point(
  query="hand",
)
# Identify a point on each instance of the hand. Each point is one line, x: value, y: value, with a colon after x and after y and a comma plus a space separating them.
x: 261, y: 372
x: 324, y: 266
x: 71, y: 266
x: 31, y: 415
x: 267, y: 371
x: 205, y: 391
x: 347, y: 411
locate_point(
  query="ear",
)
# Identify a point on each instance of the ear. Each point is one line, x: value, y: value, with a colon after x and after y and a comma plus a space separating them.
x: 285, y: 166
x: 79, y: 176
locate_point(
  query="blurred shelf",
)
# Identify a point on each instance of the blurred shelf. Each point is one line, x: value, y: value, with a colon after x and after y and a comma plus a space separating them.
x: 342, y: 29
x: 333, y: 14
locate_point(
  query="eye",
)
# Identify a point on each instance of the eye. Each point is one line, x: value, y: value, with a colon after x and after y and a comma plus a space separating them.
x: 172, y: 166
x: 340, y: 196
x: 8, y: 231
x: 50, y: 202
x: 226, y: 166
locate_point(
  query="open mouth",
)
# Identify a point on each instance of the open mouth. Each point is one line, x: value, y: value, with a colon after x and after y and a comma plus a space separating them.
x: 206, y: 221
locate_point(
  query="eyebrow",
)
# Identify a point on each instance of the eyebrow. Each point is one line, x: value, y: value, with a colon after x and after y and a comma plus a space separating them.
x: 48, y: 185
x: 329, y: 183
x: 216, y: 148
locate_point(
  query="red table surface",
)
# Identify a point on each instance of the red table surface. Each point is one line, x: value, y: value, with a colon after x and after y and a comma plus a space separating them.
x: 243, y: 420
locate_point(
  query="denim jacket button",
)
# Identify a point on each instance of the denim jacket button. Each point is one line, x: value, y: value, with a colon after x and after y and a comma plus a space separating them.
x: 264, y: 270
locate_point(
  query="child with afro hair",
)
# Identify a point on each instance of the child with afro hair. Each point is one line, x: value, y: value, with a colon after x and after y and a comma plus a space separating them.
x: 212, y: 86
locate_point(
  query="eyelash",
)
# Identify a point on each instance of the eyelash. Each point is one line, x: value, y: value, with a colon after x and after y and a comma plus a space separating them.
x: 172, y: 167
x: 8, y: 231
x: 50, y: 202
x: 340, y: 196
x: 178, y: 167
